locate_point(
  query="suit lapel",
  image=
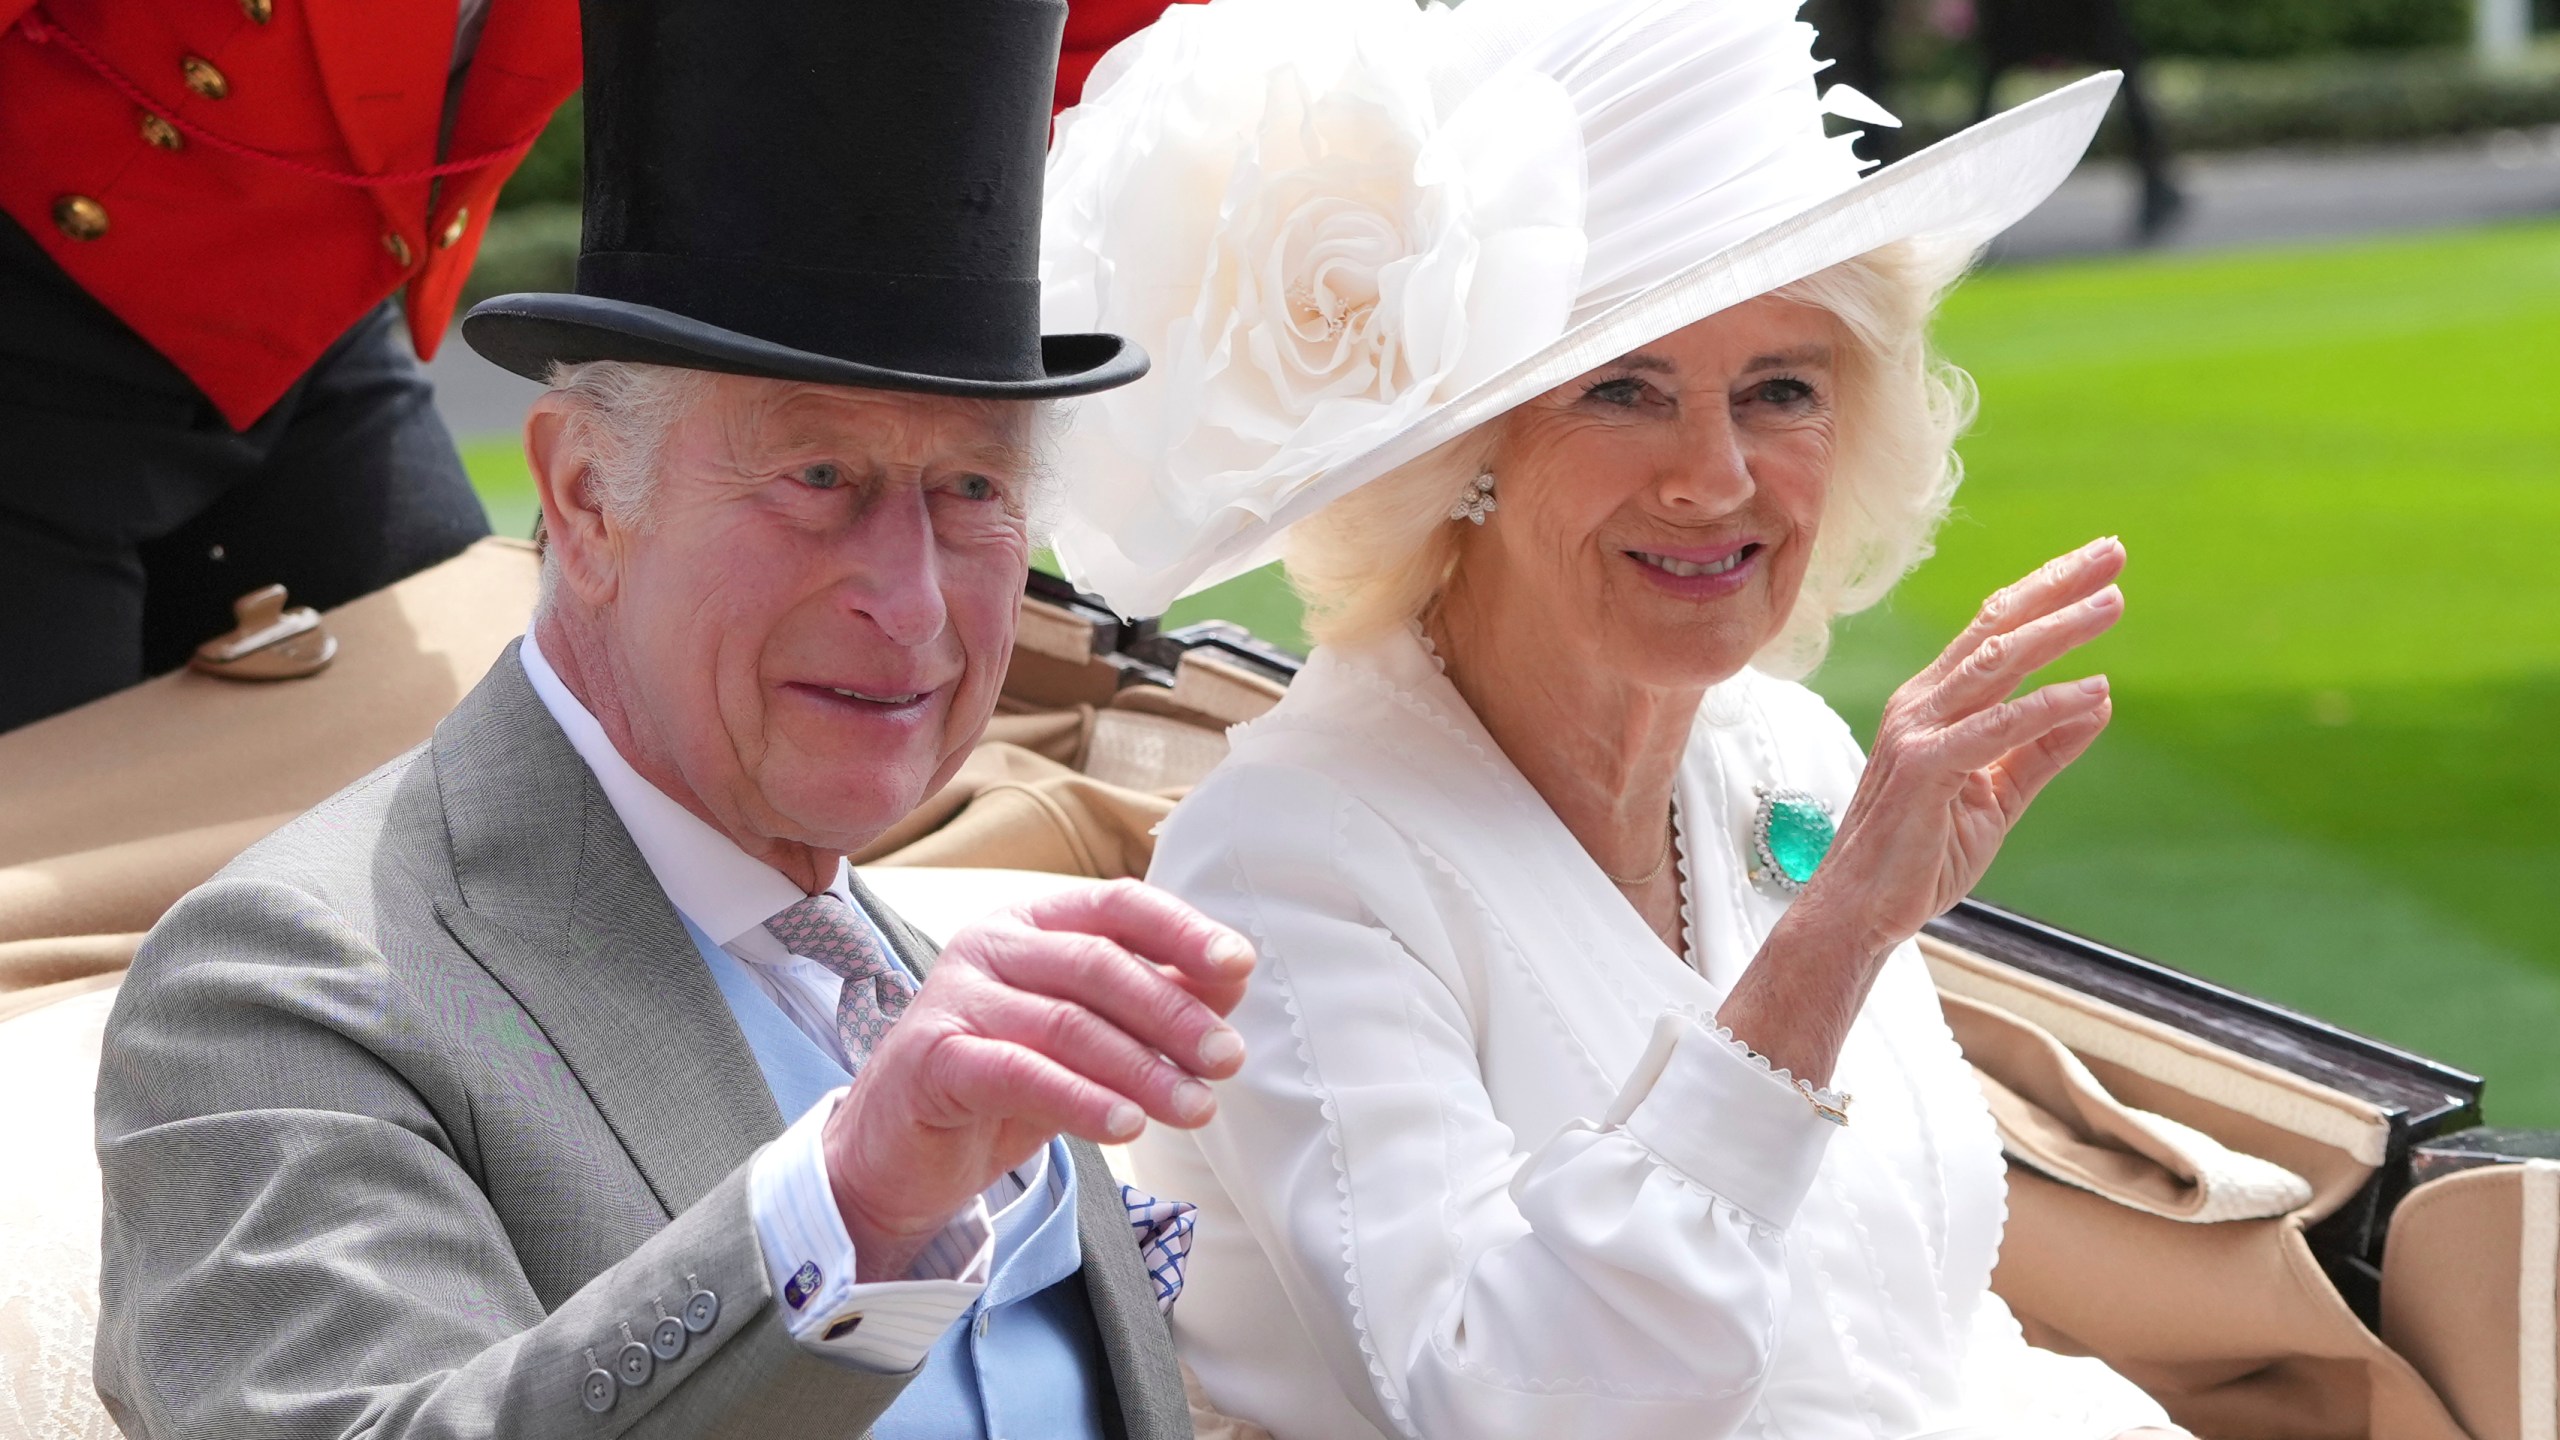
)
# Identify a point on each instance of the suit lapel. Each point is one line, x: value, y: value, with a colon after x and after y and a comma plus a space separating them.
x: 558, y: 906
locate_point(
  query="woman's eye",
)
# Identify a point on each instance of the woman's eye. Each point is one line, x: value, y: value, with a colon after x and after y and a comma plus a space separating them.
x: 1781, y: 392
x: 1625, y: 392
x: 825, y: 475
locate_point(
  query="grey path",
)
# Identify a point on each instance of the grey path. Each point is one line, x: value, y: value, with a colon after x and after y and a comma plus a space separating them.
x: 2232, y: 200
x: 477, y: 398
x: 2269, y: 196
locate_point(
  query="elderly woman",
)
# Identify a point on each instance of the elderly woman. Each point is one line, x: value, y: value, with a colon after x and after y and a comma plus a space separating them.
x: 1595, y: 1087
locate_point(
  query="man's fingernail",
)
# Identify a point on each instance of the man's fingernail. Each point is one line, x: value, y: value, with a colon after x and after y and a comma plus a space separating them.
x: 1192, y: 1100
x: 1221, y: 1047
x: 1126, y: 1120
x: 2094, y: 685
x: 1232, y: 950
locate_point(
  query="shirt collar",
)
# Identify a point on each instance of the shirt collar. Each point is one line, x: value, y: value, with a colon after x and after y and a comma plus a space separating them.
x: 719, y: 887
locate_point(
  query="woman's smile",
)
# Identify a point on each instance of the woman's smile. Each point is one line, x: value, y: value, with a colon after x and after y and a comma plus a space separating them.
x: 1700, y: 573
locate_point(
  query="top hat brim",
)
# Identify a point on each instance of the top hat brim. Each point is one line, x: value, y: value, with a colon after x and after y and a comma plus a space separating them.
x: 531, y: 333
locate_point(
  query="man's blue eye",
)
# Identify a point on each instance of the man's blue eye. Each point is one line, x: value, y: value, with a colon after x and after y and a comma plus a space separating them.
x: 825, y: 475
x: 977, y: 487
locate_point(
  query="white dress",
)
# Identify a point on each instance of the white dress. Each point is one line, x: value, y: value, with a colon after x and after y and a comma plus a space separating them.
x: 1490, y: 1170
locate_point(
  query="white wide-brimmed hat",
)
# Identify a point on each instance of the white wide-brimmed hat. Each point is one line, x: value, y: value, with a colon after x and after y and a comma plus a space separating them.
x: 1350, y: 231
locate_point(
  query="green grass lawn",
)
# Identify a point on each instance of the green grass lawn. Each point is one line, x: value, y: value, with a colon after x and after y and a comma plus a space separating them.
x: 2330, y: 780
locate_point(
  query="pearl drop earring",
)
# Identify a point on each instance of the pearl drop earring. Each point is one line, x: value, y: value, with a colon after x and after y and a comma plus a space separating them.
x: 1477, y: 502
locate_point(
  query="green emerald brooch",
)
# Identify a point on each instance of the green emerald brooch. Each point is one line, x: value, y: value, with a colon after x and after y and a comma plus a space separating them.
x: 1790, y: 834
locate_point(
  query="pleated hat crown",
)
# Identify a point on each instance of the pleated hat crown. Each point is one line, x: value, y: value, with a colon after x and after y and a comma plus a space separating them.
x: 1701, y: 123
x: 1349, y: 231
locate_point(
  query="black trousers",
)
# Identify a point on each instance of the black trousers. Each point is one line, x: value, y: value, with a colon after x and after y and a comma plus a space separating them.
x: 132, y: 514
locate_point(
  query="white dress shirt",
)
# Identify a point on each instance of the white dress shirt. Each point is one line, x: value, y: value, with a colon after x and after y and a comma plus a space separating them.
x: 1492, y: 1170
x: 728, y: 895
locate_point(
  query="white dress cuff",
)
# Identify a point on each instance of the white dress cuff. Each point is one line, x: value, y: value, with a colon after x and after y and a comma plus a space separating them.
x: 888, y: 1326
x: 1718, y: 1114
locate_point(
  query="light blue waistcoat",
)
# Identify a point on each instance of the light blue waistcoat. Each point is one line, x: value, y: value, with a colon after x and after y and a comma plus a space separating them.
x: 1022, y: 1361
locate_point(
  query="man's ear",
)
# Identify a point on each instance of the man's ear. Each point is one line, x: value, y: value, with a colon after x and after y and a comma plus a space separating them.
x: 574, y: 524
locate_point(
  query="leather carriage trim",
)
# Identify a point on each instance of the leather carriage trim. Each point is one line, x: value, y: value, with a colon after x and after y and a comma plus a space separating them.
x: 2108, y: 1032
x: 1054, y: 631
x: 2538, y: 1304
x: 1222, y: 689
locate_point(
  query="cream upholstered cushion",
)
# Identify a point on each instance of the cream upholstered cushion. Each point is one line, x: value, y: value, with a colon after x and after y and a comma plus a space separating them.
x: 49, y: 1212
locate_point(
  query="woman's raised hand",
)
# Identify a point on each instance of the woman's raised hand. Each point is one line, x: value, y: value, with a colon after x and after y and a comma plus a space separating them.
x: 1956, y: 760
x: 1955, y: 763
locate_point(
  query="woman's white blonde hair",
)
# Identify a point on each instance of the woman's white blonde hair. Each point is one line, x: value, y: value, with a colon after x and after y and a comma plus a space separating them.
x: 1376, y: 558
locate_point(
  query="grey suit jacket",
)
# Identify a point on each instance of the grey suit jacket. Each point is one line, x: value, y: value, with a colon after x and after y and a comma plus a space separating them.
x: 410, y: 1111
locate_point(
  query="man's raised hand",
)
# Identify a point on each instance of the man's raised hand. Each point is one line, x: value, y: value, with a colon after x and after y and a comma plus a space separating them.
x: 1084, y: 1013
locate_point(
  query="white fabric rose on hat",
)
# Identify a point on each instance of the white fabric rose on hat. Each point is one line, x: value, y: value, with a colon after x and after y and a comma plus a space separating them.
x: 1368, y: 256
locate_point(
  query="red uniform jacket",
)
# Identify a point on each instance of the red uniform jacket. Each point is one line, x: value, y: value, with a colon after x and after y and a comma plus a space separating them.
x: 239, y: 270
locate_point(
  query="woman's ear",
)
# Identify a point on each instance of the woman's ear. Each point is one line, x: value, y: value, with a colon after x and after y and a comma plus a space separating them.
x: 574, y: 525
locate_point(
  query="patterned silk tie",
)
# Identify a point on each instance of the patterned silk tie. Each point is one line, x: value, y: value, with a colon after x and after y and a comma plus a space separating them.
x: 825, y: 929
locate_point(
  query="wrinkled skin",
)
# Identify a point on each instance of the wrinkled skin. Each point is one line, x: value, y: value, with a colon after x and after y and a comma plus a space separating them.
x: 798, y: 639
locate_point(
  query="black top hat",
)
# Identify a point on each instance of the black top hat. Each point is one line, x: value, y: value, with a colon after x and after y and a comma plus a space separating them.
x: 841, y: 191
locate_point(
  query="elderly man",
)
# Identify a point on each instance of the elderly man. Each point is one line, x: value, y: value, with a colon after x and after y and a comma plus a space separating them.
x: 458, y: 1106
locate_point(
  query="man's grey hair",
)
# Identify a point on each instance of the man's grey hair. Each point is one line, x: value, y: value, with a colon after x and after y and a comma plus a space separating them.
x: 618, y: 415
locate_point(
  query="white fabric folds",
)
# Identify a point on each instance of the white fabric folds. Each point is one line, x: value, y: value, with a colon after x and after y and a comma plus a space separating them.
x: 1348, y: 231
x: 1485, y: 1172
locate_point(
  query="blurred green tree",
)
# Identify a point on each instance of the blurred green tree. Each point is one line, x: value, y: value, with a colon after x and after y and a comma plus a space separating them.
x: 2268, y: 29
x: 555, y: 169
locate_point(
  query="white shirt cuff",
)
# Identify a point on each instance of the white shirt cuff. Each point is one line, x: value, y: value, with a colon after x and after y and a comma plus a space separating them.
x: 1717, y: 1113
x: 888, y: 1326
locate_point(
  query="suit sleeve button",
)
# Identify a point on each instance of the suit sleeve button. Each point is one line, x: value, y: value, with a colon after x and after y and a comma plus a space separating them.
x: 701, y: 1309
x: 80, y: 217
x: 202, y: 78
x: 596, y: 1392
x: 633, y: 1364
x: 667, y: 1338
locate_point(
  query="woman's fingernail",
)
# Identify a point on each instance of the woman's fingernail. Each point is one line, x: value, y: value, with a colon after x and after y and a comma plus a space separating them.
x: 2110, y: 598
x: 1192, y: 1100
x: 2094, y: 685
x: 1223, y: 1046
x: 1125, y: 1121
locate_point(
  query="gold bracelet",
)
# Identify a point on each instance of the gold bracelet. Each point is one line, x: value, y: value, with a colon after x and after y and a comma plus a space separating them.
x: 1831, y: 1105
